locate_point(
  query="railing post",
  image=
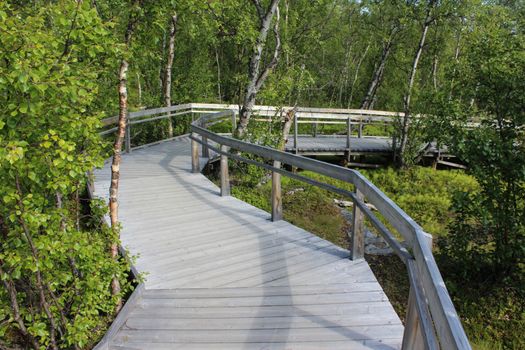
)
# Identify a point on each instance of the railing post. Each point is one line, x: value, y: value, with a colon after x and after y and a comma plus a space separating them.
x: 225, y: 177
x: 234, y: 122
x: 358, y: 232
x: 195, y: 166
x: 205, y: 150
x: 277, y: 204
x: 296, y: 131
x: 315, y: 128
x: 348, y: 135
x: 413, y: 335
x: 360, y: 131
x: 128, y: 134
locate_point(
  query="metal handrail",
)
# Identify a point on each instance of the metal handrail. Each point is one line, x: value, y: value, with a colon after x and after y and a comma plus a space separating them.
x: 432, y: 321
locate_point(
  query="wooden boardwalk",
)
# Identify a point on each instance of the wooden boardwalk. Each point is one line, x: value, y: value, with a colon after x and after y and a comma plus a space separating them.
x: 220, y: 275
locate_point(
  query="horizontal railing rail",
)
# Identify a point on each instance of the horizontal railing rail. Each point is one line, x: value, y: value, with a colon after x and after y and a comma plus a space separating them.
x: 431, y: 321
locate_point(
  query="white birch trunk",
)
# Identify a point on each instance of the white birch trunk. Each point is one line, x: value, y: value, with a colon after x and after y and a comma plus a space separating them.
x: 408, y: 96
x: 256, y: 77
x: 169, y: 66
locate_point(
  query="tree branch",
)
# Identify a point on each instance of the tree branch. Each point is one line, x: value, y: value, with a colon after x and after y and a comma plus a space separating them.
x: 259, y: 8
x: 67, y: 44
x: 12, y: 292
x: 39, y: 280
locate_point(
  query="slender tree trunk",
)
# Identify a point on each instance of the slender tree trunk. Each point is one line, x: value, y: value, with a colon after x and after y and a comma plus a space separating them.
x: 434, y: 72
x: 356, y: 75
x: 286, y: 13
x: 456, y: 58
x: 77, y: 208
x: 40, y: 283
x: 406, y: 103
x: 59, y: 205
x: 169, y: 65
x: 219, y: 94
x: 300, y: 86
x: 256, y: 77
x: 288, y: 121
x: 139, y: 89
x: 15, y: 308
x: 161, y: 72
x: 115, y: 169
x: 374, y: 100
x: 344, y: 77
x: 117, y: 153
x: 377, y: 76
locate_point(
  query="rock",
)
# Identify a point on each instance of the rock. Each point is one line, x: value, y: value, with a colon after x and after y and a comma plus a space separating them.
x: 342, y: 203
x: 374, y: 244
x: 264, y: 180
x: 295, y: 190
x: 346, y: 204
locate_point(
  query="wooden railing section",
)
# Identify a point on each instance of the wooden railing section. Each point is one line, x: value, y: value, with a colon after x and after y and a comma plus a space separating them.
x: 351, y: 118
x: 431, y: 321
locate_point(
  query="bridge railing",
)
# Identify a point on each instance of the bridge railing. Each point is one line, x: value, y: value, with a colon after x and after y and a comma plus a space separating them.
x: 431, y: 321
x: 348, y: 120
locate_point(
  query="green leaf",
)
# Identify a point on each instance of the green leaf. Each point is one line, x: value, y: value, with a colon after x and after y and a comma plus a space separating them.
x: 23, y: 77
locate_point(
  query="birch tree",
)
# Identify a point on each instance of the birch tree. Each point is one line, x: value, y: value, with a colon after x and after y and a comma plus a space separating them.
x: 379, y: 71
x: 387, y: 25
x: 169, y: 66
x: 405, y: 123
x: 258, y: 72
x: 117, y: 146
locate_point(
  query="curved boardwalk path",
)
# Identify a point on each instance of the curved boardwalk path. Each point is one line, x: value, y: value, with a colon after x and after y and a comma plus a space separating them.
x: 221, y: 275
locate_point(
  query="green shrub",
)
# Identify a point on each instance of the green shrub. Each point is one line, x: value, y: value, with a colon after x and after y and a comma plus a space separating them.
x: 423, y: 193
x: 55, y: 270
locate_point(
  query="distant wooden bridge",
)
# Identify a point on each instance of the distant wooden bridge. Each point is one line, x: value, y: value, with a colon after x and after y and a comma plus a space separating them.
x: 307, y: 138
x: 222, y: 274
x: 316, y: 131
x: 338, y: 145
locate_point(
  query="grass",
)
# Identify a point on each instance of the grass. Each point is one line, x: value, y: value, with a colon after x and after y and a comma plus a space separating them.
x: 424, y: 193
x: 298, y: 199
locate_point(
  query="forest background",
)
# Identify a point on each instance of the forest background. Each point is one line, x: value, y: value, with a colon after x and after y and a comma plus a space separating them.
x: 60, y: 65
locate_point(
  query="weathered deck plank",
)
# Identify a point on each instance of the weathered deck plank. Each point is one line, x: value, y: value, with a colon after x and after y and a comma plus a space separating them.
x: 221, y: 275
